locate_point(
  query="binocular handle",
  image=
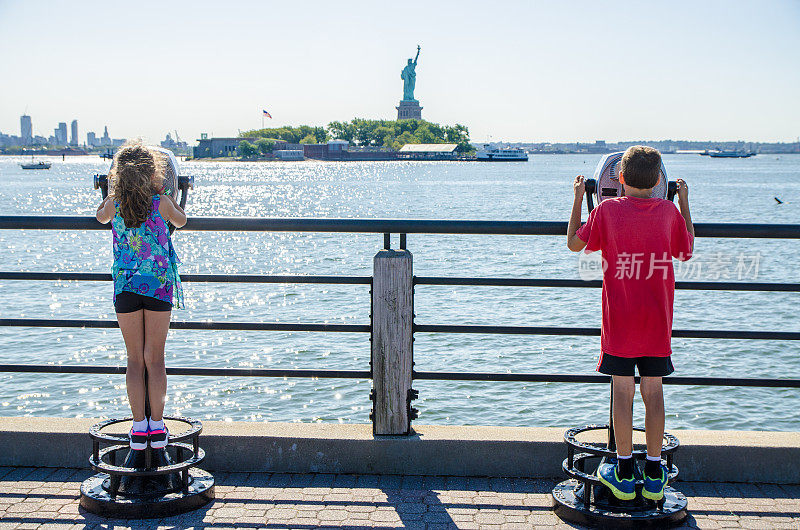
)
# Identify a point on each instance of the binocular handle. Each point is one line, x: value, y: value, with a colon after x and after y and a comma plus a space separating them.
x: 185, y: 183
x: 591, y: 187
x: 672, y: 189
x: 101, y: 183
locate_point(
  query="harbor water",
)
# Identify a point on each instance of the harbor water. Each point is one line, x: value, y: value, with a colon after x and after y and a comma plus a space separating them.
x: 721, y: 190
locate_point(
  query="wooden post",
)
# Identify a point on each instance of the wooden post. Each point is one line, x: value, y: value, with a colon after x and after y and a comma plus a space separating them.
x: 392, y: 348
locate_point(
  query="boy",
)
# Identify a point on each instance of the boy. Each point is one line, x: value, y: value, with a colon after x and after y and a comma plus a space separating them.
x: 638, y: 236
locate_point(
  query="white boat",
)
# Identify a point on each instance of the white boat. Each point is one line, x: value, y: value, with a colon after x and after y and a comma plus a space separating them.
x: 36, y: 165
x: 730, y: 154
x: 496, y: 154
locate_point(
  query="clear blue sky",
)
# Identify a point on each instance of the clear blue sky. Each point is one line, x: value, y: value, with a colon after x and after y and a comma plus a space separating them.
x: 528, y: 70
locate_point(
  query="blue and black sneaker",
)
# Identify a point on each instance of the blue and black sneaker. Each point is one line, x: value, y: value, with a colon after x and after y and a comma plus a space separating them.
x: 623, y: 489
x: 654, y: 487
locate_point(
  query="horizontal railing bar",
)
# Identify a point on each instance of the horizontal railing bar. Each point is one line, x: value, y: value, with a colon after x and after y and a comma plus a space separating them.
x: 224, y: 326
x: 595, y: 332
x: 362, y: 374
x: 569, y: 378
x: 418, y: 280
x: 419, y: 328
x: 383, y: 226
x: 221, y: 278
x: 555, y: 282
x: 218, y: 372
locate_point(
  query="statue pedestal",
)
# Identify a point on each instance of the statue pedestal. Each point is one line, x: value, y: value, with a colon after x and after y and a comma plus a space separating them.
x: 409, y: 110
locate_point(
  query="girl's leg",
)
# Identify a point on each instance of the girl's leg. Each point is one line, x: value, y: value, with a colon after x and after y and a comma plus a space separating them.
x: 132, y: 327
x: 624, y: 388
x: 653, y: 397
x: 156, y: 325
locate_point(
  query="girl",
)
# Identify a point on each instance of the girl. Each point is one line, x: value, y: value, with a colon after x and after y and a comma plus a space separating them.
x: 145, y: 278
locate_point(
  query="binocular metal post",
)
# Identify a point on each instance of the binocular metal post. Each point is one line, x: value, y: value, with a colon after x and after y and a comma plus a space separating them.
x: 150, y: 483
x: 584, y: 500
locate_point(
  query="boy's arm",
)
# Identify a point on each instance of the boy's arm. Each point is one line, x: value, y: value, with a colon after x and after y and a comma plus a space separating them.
x: 683, y: 204
x: 574, y: 243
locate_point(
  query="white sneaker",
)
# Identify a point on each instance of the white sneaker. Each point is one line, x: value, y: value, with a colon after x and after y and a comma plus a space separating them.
x: 138, y: 439
x: 159, y: 438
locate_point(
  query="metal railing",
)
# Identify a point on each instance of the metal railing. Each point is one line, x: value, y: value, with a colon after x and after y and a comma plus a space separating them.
x: 401, y: 227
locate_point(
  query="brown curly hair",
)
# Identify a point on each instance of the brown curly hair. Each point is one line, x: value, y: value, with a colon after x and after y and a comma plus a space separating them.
x: 641, y: 166
x: 137, y: 173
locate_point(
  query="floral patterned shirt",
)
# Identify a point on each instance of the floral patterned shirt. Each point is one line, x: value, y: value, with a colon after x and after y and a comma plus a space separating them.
x: 145, y: 261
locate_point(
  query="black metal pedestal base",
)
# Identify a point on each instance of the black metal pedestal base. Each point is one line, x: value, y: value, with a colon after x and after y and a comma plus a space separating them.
x: 95, y: 497
x: 568, y: 505
x: 150, y: 483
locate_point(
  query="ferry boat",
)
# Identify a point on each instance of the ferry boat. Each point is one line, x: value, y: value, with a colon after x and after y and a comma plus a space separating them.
x: 36, y: 165
x: 496, y: 154
x: 728, y: 154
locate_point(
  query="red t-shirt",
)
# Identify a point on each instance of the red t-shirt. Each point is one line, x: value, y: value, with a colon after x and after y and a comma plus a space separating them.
x: 638, y: 239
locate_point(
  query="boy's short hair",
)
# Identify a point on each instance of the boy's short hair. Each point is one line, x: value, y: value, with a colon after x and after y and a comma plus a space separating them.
x: 641, y: 166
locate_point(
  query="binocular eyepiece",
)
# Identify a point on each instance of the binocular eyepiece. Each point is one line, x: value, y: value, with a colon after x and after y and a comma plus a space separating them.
x: 591, y: 191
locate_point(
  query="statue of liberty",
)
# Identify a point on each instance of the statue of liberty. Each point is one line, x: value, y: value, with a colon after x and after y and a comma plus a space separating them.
x: 409, y: 77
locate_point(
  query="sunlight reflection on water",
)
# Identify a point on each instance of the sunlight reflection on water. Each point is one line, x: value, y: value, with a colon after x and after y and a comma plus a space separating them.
x: 538, y: 190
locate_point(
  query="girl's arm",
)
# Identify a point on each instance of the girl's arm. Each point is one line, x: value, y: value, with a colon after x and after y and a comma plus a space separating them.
x: 106, y: 210
x: 171, y: 211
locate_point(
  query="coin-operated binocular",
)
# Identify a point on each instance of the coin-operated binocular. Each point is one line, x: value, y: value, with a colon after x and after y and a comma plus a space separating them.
x: 172, y: 181
x: 606, y: 184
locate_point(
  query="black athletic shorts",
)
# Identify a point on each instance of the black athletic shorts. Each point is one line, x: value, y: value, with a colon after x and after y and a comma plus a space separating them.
x: 648, y: 366
x: 129, y: 302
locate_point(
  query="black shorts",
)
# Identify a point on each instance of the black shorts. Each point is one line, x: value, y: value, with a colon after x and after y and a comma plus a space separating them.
x: 129, y: 302
x: 648, y: 366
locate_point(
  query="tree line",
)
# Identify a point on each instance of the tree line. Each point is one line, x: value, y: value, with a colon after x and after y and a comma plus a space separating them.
x: 391, y: 134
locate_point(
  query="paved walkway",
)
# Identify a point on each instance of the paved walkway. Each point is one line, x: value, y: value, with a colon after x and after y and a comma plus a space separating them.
x: 48, y: 498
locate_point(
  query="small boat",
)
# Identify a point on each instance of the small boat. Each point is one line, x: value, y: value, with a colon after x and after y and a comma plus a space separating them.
x: 36, y: 165
x: 729, y: 154
x: 496, y: 154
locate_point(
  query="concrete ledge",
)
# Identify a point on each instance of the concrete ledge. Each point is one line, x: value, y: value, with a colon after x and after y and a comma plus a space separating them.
x: 723, y: 456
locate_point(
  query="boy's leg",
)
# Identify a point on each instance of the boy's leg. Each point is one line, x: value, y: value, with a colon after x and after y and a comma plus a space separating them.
x: 619, y: 478
x: 653, y: 397
x: 655, y: 474
x: 624, y: 388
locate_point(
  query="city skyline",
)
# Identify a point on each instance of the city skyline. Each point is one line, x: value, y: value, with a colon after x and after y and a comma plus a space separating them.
x: 30, y: 136
x: 529, y: 72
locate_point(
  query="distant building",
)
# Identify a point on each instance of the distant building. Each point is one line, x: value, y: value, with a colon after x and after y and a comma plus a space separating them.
x: 74, y: 137
x: 175, y: 145
x: 219, y: 147
x: 289, y: 154
x: 61, y: 134
x: 106, y: 139
x: 91, y: 139
x: 341, y: 150
x: 428, y: 151
x: 26, y: 129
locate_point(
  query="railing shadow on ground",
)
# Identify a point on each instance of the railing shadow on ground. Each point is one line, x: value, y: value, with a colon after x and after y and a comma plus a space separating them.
x: 411, y: 501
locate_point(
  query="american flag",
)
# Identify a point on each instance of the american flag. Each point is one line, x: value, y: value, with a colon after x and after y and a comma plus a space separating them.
x: 267, y: 114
